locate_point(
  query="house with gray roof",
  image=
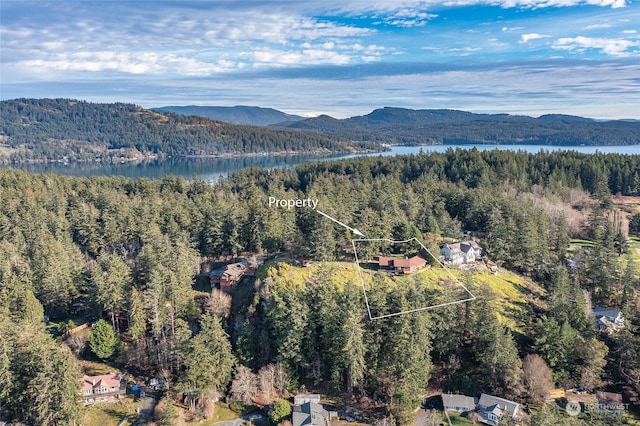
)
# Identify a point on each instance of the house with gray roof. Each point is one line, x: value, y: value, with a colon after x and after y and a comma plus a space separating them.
x: 608, y: 320
x: 459, y: 403
x: 310, y: 413
x: 303, y: 398
x: 492, y: 408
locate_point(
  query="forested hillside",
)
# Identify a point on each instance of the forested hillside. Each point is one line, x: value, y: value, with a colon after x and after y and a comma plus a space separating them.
x: 250, y: 115
x: 127, y: 251
x: 430, y: 127
x: 56, y: 129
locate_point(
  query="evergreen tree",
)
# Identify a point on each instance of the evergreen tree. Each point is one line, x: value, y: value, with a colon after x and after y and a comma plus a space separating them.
x: 112, y: 279
x: 208, y: 359
x: 104, y: 340
x: 137, y: 317
x: 33, y: 397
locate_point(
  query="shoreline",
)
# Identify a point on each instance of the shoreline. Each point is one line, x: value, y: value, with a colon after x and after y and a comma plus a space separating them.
x: 150, y: 156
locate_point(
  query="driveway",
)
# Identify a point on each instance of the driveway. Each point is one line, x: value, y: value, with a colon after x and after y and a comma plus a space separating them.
x: 147, y: 404
x: 236, y: 422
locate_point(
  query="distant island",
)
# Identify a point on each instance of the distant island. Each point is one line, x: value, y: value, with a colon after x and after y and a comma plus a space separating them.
x: 35, y: 130
x: 71, y: 130
x: 401, y: 126
x: 441, y: 126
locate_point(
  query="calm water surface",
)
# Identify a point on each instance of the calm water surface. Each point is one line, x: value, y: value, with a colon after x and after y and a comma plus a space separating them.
x: 213, y: 168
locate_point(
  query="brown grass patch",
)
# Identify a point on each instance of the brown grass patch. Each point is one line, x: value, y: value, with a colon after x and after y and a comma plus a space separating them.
x: 628, y: 203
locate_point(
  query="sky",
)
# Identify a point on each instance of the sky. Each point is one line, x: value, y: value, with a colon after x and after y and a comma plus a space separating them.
x: 335, y: 57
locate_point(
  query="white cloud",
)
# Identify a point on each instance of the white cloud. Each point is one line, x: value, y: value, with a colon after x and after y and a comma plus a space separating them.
x: 408, y: 17
x: 629, y: 32
x: 597, y: 26
x: 538, y: 4
x: 304, y: 57
x: 612, y: 46
x: 129, y: 62
x: 524, y: 38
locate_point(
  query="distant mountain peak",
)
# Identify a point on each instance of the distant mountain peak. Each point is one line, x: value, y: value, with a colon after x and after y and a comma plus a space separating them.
x: 239, y: 114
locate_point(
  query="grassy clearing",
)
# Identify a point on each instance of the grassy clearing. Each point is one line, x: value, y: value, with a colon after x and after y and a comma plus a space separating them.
x: 579, y: 244
x: 514, y: 295
x: 634, y: 249
x: 456, y: 419
x: 103, y: 414
x: 222, y: 413
x: 93, y: 368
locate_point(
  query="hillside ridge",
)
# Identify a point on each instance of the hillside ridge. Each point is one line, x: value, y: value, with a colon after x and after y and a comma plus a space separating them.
x: 72, y: 130
x: 239, y: 114
x: 438, y: 126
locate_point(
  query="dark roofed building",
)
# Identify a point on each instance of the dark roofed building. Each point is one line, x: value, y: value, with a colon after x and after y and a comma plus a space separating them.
x: 310, y: 413
x: 229, y: 275
x: 492, y: 408
x: 459, y: 403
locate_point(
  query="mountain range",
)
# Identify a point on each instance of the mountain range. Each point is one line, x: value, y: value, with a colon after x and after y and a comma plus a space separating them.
x: 401, y: 126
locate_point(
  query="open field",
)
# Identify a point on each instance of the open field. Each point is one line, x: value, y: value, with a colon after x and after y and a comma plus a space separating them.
x: 103, y: 414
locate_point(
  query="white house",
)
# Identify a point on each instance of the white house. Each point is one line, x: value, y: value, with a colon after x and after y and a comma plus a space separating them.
x: 608, y: 320
x: 462, y: 252
x: 492, y: 409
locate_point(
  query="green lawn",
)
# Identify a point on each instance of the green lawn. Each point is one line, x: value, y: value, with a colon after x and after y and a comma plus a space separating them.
x: 103, y: 414
x: 456, y: 419
x: 576, y: 244
x: 634, y: 249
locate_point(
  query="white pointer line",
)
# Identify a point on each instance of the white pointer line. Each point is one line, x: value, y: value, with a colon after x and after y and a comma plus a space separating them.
x: 355, y: 231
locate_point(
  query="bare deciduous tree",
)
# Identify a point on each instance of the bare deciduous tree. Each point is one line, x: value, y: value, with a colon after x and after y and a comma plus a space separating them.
x: 245, y: 385
x: 219, y: 303
x: 272, y: 380
x: 537, y: 377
